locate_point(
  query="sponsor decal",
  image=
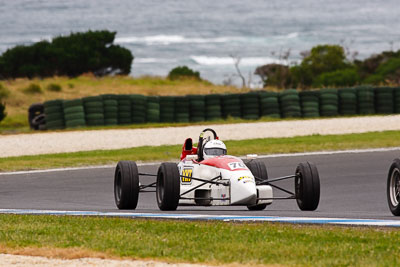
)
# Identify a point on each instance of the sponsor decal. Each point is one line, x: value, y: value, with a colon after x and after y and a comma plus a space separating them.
x: 246, y: 179
x: 223, y: 196
x: 237, y: 165
x: 186, y: 176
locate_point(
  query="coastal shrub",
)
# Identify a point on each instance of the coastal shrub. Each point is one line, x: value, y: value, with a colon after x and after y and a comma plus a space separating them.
x: 3, y: 113
x: 33, y: 88
x: 4, y: 92
x: 53, y: 87
x: 183, y: 72
x: 346, y: 77
x: 72, y: 55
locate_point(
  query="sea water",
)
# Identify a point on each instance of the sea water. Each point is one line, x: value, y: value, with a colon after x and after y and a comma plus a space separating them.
x: 210, y: 36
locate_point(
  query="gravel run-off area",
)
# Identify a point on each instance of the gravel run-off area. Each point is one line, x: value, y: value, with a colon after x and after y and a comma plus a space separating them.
x: 73, y: 141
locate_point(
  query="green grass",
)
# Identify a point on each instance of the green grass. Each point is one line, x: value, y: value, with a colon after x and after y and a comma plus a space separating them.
x: 206, y: 242
x: 172, y: 152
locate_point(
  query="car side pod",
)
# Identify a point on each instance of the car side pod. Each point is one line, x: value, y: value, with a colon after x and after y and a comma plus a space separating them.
x: 393, y: 187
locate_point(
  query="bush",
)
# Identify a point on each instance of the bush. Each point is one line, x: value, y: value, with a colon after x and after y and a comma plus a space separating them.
x: 71, y: 55
x: 33, y: 88
x: 53, y: 87
x: 4, y: 92
x: 183, y: 72
x: 346, y: 77
x: 3, y: 113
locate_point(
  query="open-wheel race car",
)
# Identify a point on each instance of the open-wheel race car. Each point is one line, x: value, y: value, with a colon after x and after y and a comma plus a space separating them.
x: 206, y: 176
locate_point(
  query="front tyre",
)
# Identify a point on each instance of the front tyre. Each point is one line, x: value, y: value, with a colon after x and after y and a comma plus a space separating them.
x: 393, y: 187
x: 126, y: 185
x: 307, y: 186
x: 259, y: 171
x: 168, y: 186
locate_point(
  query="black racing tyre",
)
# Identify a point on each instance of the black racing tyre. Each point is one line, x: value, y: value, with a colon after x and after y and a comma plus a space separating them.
x: 393, y: 188
x: 307, y: 186
x: 126, y: 185
x: 168, y: 186
x: 259, y: 171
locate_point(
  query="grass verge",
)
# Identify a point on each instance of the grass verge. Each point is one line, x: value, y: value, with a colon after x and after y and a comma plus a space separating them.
x: 172, y: 152
x: 205, y: 242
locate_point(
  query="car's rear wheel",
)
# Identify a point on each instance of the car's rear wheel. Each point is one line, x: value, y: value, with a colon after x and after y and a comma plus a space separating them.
x: 168, y: 186
x: 393, y: 187
x: 259, y: 171
x: 126, y: 185
x: 307, y: 186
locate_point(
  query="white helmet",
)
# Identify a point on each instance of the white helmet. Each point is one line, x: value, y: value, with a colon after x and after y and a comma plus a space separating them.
x: 214, y: 148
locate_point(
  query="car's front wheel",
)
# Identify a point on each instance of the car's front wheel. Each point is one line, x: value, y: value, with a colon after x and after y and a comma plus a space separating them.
x: 393, y: 187
x: 126, y: 185
x: 168, y: 186
x: 307, y: 186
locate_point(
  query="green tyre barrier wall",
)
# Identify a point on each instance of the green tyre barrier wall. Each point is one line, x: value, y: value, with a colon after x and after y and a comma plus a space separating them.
x: 138, y: 108
x: 384, y: 103
x: 124, y: 109
x: 153, y: 109
x: 396, y: 98
x: 250, y: 103
x: 182, y: 109
x: 329, y: 102
x: 231, y: 106
x: 197, y: 108
x: 213, y: 107
x: 94, y: 110
x: 309, y: 103
x: 269, y: 104
x: 54, y: 113
x: 110, y: 106
x: 74, y: 113
x: 347, y: 101
x: 365, y: 100
x: 167, y: 108
x: 290, y: 103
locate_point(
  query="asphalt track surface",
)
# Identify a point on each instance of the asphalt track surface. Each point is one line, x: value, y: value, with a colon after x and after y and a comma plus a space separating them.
x: 353, y: 185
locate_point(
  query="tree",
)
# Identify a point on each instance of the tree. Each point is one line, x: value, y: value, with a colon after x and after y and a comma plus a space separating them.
x: 183, y: 72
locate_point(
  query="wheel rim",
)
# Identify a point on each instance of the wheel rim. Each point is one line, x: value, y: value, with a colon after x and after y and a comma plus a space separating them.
x: 395, y: 187
x: 160, y: 188
x: 118, y: 187
x: 298, y: 186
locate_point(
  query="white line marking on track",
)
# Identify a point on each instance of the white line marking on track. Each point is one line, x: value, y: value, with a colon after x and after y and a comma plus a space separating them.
x: 206, y: 217
x: 354, y: 151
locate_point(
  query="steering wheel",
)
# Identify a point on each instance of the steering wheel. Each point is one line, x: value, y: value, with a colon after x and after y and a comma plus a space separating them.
x: 201, y: 140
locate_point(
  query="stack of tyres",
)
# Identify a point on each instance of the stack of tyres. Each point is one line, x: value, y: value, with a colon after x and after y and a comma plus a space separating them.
x: 290, y: 103
x: 269, y: 104
x: 94, y: 111
x: 347, y: 101
x: 365, y: 100
x: 197, y: 105
x: 231, y: 106
x: 182, y: 109
x: 250, y: 103
x: 53, y: 110
x: 396, y: 98
x: 110, y: 104
x: 74, y: 114
x: 384, y: 100
x: 124, y: 109
x: 329, y: 102
x: 167, y: 108
x: 138, y: 108
x: 213, y: 107
x: 309, y: 102
x: 153, y: 109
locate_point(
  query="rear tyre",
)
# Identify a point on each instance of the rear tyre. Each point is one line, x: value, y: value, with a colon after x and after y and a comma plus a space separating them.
x: 168, y: 186
x: 126, y: 185
x: 307, y: 186
x: 393, y: 187
x: 259, y: 171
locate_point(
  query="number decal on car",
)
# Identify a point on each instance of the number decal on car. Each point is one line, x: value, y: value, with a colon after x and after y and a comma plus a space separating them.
x: 237, y: 165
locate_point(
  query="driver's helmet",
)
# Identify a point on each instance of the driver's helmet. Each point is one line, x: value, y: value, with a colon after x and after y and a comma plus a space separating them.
x: 214, y: 148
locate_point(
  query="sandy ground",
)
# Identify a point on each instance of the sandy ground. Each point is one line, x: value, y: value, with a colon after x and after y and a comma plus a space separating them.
x: 26, y: 261
x: 57, y: 142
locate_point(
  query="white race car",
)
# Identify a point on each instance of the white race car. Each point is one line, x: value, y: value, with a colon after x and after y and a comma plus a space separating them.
x: 206, y: 176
